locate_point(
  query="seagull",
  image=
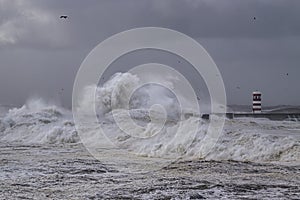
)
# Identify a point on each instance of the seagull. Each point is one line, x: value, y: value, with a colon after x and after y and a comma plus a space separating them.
x: 63, y: 17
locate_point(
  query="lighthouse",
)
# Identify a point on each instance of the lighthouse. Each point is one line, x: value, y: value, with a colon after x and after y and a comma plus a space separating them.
x: 256, y: 108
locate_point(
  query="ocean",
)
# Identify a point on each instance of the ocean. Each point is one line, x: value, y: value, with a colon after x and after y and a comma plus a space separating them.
x: 45, y: 155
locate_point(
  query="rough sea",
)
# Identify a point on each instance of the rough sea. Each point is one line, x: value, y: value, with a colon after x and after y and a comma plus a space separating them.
x: 43, y: 156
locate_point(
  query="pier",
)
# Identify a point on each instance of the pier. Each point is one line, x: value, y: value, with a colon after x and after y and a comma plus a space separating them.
x: 271, y: 116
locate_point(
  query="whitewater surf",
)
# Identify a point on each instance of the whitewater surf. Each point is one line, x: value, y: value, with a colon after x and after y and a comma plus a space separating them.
x: 41, y: 150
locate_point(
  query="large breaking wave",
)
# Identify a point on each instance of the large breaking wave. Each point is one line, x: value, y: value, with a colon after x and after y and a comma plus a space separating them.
x: 246, y: 139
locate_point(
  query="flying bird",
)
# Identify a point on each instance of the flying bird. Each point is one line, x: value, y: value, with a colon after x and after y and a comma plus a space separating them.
x: 254, y: 18
x: 63, y: 17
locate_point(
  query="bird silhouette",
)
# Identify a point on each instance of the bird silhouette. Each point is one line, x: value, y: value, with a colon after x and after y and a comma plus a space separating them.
x: 63, y: 17
x: 254, y: 18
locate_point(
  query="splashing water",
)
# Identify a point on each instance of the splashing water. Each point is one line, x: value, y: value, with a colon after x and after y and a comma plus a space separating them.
x: 242, y: 139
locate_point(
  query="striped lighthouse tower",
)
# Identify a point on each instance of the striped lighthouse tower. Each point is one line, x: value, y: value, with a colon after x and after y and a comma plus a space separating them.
x: 256, y: 108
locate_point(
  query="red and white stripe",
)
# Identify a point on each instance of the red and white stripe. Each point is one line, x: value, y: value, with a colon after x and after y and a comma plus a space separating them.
x: 256, y: 103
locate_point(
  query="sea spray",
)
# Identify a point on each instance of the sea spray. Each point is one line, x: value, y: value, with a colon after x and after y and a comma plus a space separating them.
x: 249, y: 139
x: 38, y: 122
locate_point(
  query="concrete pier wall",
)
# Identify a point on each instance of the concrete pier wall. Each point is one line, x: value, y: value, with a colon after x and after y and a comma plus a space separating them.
x: 271, y: 116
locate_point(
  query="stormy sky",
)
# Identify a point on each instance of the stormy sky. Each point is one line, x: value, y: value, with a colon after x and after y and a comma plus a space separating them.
x: 41, y: 53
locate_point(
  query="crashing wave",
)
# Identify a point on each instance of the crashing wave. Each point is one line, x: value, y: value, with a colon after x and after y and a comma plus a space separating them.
x: 243, y: 140
x: 38, y: 122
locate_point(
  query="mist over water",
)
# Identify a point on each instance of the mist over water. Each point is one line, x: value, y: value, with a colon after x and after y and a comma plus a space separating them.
x: 42, y: 150
x: 38, y: 122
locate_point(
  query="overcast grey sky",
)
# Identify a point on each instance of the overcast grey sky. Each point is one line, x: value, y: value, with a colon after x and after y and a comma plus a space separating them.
x: 41, y: 53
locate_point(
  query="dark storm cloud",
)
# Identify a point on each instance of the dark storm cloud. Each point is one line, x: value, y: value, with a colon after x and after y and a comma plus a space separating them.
x: 40, y: 53
x: 93, y: 20
x: 235, y: 18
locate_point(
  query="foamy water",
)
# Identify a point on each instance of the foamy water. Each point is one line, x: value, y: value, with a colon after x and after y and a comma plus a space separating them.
x: 38, y: 131
x: 247, y: 139
x: 242, y: 139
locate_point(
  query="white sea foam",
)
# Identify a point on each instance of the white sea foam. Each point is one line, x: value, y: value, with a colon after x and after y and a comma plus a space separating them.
x: 242, y: 139
x: 38, y: 122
